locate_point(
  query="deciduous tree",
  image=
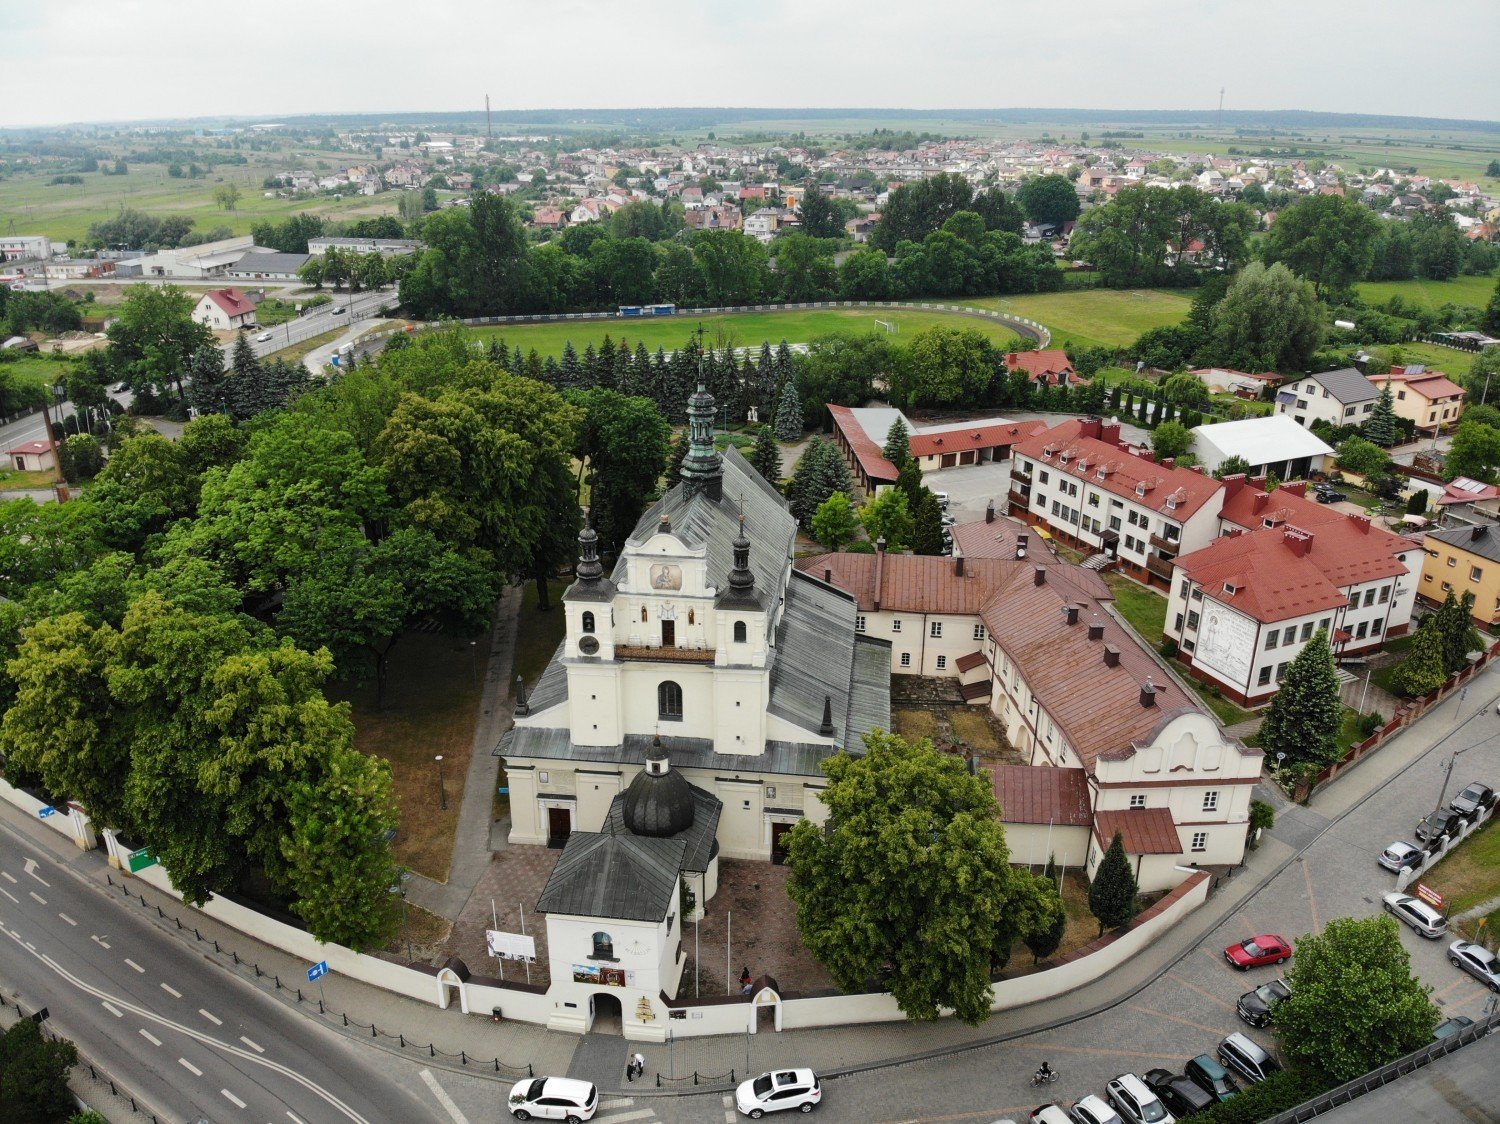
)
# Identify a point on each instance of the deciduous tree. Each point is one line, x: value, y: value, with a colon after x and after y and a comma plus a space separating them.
x: 1172, y: 439
x: 834, y: 524
x: 1269, y: 320
x: 34, y: 1074
x: 1328, y: 239
x: 888, y: 517
x: 1049, y: 199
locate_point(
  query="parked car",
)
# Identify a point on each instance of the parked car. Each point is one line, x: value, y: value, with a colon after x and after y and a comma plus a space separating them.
x: 1451, y: 1027
x: 1257, y: 951
x: 264, y: 337
x: 1478, y: 961
x: 1093, y: 1110
x: 1330, y: 495
x: 1473, y: 801
x: 778, y: 1091
x: 1179, y: 1092
x: 1416, y: 913
x: 553, y: 1098
x: 1137, y: 1103
x: 942, y: 499
x: 1400, y: 856
x: 1255, y: 1007
x: 1212, y: 1078
x: 1247, y: 1057
x: 339, y: 311
x: 1051, y: 1114
x: 1435, y: 825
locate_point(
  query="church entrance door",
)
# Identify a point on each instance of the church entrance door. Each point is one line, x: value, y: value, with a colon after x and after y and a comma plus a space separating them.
x: 779, y: 833
x: 669, y: 634
x: 559, y: 826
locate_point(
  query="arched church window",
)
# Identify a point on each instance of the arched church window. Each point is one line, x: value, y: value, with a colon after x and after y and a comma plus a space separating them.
x: 669, y: 700
x: 588, y: 622
x: 604, y: 946
x: 739, y: 632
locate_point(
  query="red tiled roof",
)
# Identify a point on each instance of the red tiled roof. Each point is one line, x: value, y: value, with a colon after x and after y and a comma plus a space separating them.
x: 1084, y: 442
x: 232, y: 301
x: 1465, y: 490
x: 913, y: 583
x: 972, y: 660
x: 1042, y: 366
x: 30, y: 448
x: 1042, y: 794
x: 1272, y: 581
x: 871, y: 456
x: 979, y: 437
x: 1432, y: 385
x: 992, y: 540
x: 1143, y: 831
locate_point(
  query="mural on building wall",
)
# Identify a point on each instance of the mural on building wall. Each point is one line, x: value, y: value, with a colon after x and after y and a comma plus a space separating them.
x: 604, y: 977
x: 1226, y: 644
x: 664, y: 575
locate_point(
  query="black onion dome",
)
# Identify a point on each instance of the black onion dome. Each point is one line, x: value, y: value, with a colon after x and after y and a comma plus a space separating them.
x: 658, y: 803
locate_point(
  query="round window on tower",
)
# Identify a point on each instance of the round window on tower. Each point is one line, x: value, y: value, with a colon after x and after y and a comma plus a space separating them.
x: 588, y: 645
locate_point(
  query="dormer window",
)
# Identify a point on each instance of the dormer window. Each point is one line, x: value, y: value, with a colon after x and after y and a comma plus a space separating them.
x: 1140, y: 489
x: 1231, y: 589
x: 1102, y: 473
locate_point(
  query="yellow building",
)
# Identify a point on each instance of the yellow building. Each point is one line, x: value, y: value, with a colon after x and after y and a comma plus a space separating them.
x: 1464, y: 559
x: 1428, y: 398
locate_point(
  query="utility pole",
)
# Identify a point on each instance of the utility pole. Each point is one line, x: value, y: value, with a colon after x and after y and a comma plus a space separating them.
x: 1219, y: 121
x: 489, y: 125
x: 59, y: 485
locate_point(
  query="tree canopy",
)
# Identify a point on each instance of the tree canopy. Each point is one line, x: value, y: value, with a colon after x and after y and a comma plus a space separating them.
x: 1327, y: 239
x: 1306, y: 715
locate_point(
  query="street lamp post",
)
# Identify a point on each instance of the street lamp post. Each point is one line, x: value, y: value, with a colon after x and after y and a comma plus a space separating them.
x: 442, y: 789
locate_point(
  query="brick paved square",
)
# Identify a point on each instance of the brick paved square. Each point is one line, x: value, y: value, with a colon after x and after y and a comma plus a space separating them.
x: 514, y: 879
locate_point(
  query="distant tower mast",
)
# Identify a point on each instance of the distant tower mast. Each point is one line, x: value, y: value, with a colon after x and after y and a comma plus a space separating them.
x: 489, y: 127
x: 1218, y: 124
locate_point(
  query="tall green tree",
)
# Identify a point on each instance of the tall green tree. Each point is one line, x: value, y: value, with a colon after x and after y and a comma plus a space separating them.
x: 477, y: 262
x: 915, y: 210
x: 1231, y: 466
x: 1113, y: 890
x: 898, y: 444
x: 927, y: 525
x: 1047, y: 937
x: 1172, y: 439
x: 913, y: 860
x: 1454, y: 622
x: 622, y: 443
x: 834, y: 524
x: 1049, y: 199
x: 789, y: 413
x: 1328, y: 239
x: 888, y: 517
x: 1305, y: 715
x: 1425, y: 667
x: 1475, y: 453
x: 944, y: 366
x: 1354, y: 1003
x: 1490, y: 322
x: 1381, y: 428
x: 1362, y: 457
x: 154, y: 337
x: 765, y: 458
x: 820, y: 218
x: 1269, y: 320
x: 34, y: 1075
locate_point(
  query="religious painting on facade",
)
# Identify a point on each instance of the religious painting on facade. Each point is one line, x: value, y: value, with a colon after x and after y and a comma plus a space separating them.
x: 612, y: 977
x: 664, y: 575
x: 1226, y: 644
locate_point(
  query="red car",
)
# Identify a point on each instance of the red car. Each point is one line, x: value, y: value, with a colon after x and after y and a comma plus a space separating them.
x: 1257, y: 951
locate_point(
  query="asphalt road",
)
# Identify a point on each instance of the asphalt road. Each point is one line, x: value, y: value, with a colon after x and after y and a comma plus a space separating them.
x: 191, y: 1040
x: 356, y: 306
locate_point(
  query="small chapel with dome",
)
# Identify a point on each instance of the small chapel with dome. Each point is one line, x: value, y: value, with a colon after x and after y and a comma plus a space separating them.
x: 685, y: 715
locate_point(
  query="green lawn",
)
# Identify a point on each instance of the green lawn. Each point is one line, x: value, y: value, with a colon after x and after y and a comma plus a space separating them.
x: 742, y: 329
x: 36, y: 369
x: 1431, y: 295
x: 1471, y: 872
x: 1095, y: 317
x: 1145, y: 609
x: 537, y: 634
x: 1449, y: 360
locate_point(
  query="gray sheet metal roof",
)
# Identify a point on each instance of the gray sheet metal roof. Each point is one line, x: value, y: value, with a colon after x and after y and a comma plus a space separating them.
x: 255, y: 262
x: 700, y: 522
x: 619, y: 876
x: 1482, y: 540
x: 700, y: 837
x: 817, y: 657
x: 1347, y: 385
x: 800, y: 759
x: 552, y: 688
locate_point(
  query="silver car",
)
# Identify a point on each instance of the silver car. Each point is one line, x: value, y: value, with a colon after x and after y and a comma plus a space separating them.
x: 1418, y: 914
x: 1400, y: 855
x: 1478, y: 961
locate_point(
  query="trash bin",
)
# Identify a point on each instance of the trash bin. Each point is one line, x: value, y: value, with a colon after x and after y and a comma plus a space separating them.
x: 495, y: 1014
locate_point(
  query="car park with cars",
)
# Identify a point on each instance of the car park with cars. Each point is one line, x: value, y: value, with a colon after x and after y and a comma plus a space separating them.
x: 1478, y: 961
x: 1435, y: 825
x: 1179, y: 1092
x: 553, y: 1098
x: 1206, y: 1072
x: 1416, y: 913
x: 1136, y: 1102
x: 1247, y: 1057
x: 1092, y: 1109
x: 780, y: 1090
x: 1400, y: 856
x: 1255, y: 952
x: 1051, y: 1114
x: 1255, y: 1007
x: 1473, y: 801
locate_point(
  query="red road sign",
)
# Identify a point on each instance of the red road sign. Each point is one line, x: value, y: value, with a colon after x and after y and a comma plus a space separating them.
x: 1431, y: 897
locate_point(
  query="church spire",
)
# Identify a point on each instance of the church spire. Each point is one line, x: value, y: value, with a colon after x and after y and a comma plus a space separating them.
x: 741, y: 578
x: 702, y: 468
x: 589, y: 567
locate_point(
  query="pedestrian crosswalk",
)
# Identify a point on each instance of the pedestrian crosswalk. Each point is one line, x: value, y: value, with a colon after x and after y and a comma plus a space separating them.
x: 622, y: 1110
x: 728, y: 1108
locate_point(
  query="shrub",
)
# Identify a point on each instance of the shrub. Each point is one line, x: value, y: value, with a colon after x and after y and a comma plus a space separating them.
x: 1168, y: 649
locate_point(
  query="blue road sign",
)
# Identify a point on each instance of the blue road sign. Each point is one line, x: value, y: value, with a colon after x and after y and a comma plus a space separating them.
x: 317, y: 970
x: 45, y: 812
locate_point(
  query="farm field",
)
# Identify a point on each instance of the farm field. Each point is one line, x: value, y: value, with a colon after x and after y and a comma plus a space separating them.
x: 741, y: 329
x: 64, y: 212
x: 1474, y: 291
x: 1097, y: 317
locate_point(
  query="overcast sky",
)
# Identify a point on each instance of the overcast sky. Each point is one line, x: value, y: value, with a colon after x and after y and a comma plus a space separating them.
x: 93, y: 60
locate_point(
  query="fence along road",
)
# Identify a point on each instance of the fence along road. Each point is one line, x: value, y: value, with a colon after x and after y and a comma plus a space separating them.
x: 189, y: 1039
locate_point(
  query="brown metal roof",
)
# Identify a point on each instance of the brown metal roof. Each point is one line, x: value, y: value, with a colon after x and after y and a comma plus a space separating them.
x: 1040, y: 794
x: 911, y: 583
x: 1143, y: 831
x: 972, y: 660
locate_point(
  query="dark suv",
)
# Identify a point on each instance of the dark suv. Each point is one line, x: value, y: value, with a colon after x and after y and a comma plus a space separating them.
x: 1473, y: 801
x: 1180, y: 1093
x: 1444, y: 821
x: 1206, y: 1072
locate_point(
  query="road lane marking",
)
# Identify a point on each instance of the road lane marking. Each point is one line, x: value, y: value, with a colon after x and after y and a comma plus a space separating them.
x: 190, y: 1067
x: 31, y: 867
x: 297, y: 1119
x: 112, y: 1009
x: 443, y: 1098
x: 252, y: 1045
x: 232, y: 1099
x: 211, y: 1018
x: 5, y: 874
x: 100, y: 941
x: 36, y: 897
x: 149, y: 1037
x: 345, y: 1110
x: 68, y: 919
x: 172, y: 991
x: 620, y: 1118
x: 134, y: 965
x: 11, y: 896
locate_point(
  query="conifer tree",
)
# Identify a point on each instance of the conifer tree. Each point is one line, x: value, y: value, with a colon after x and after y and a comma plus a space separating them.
x: 1491, y: 321
x: 1453, y: 623
x: 909, y: 480
x: 604, y: 366
x: 1424, y: 670
x: 1044, y: 940
x: 765, y: 458
x: 571, y: 369
x: 208, y: 389
x: 927, y: 534
x: 588, y: 373
x: 679, y: 454
x: 246, y: 391
x: 499, y: 353
x: 1382, y: 428
x: 1305, y: 715
x: 898, y: 444
x: 1112, y: 893
x: 789, y: 413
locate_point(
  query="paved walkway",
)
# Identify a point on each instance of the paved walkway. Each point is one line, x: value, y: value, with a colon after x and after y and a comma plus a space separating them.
x: 471, y: 841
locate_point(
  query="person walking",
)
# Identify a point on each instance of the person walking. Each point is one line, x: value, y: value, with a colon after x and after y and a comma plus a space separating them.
x: 638, y: 1065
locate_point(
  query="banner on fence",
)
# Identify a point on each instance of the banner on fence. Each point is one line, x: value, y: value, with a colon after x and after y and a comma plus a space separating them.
x: 511, y: 946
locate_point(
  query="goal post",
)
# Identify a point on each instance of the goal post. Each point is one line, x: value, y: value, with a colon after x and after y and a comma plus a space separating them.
x: 888, y: 325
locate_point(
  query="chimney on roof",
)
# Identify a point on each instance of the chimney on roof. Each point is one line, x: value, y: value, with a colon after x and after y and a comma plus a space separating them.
x: 1233, y: 484
x: 1476, y: 533
x: 1170, y: 462
x: 1111, y: 656
x: 1091, y: 427
x: 1362, y: 522
x: 828, y: 574
x: 1261, y: 499
x: 1096, y: 628
x: 1070, y: 614
x: 1109, y: 432
x: 1148, y: 694
x: 1259, y: 482
x: 989, y: 512
x: 1039, y: 575
x: 958, y: 565
x: 1299, y: 542
x: 1023, y: 541
x: 1198, y: 468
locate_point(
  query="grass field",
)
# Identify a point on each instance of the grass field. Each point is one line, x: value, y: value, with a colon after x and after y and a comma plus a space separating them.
x: 1432, y: 295
x: 742, y: 329
x: 64, y: 212
x: 1449, y: 360
x: 1097, y: 317
x: 36, y: 369
x: 1470, y: 875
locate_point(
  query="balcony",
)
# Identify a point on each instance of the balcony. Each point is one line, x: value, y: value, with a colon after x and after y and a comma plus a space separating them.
x: 1161, y: 567
x: 664, y: 655
x: 1021, y: 497
x: 1171, y: 546
x: 1020, y: 475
